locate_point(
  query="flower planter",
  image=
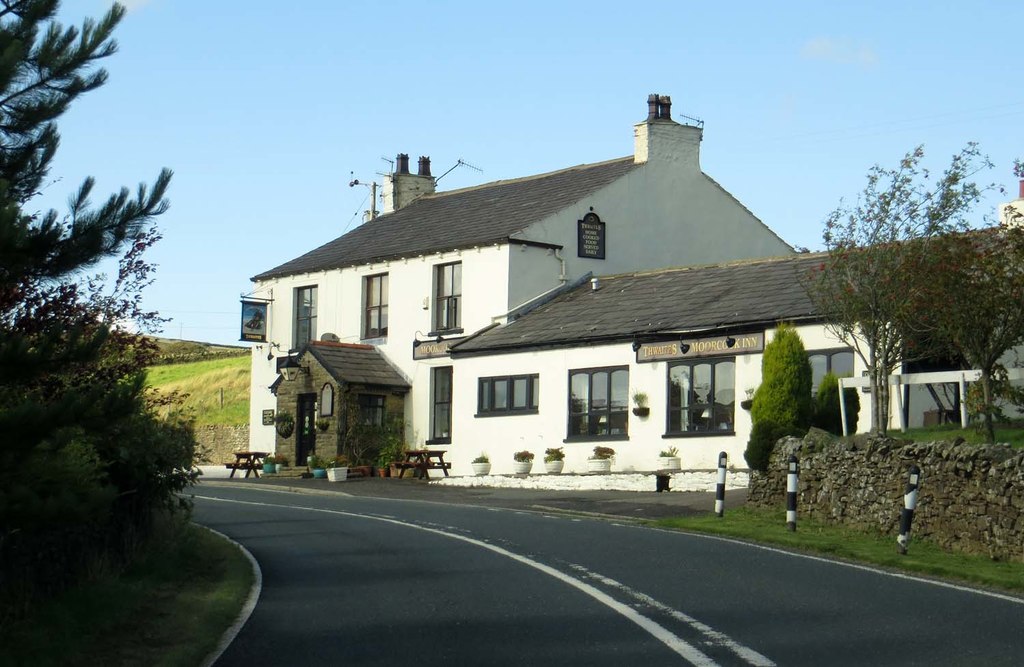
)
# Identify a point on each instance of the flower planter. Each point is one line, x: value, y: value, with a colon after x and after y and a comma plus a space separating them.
x: 319, y: 473
x: 554, y: 467
x: 278, y: 467
x: 669, y: 463
x: 337, y: 474
x: 747, y: 403
x: 522, y: 467
x: 599, y: 465
x: 641, y: 412
x: 481, y: 468
x: 270, y: 467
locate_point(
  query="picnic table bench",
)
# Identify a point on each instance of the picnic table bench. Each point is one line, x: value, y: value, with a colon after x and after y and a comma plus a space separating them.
x: 422, y: 461
x: 250, y: 462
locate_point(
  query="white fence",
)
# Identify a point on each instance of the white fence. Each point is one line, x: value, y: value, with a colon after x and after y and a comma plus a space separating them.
x: 960, y: 378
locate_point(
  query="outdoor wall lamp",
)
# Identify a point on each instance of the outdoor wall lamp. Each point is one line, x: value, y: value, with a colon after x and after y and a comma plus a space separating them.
x: 289, y: 368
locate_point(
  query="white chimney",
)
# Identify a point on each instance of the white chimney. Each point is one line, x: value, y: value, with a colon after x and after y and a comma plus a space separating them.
x: 661, y: 139
x: 401, y: 188
x: 1012, y: 213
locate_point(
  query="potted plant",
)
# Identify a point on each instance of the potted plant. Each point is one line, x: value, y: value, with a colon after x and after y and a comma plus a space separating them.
x: 337, y: 468
x: 285, y: 424
x: 522, y: 462
x: 641, y: 409
x: 318, y: 465
x: 270, y: 463
x: 481, y: 465
x: 280, y: 461
x: 748, y: 402
x: 601, y: 459
x: 554, y: 460
x: 323, y: 424
x: 668, y: 459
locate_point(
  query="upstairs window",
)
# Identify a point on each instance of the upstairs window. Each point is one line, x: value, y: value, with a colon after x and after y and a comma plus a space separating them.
x: 305, y: 315
x: 375, y: 296
x: 448, y: 297
x: 508, y: 394
x: 598, y: 403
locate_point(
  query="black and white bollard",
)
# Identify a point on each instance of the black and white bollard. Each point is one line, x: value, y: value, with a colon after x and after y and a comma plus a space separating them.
x: 909, y: 505
x: 792, y: 480
x: 723, y: 461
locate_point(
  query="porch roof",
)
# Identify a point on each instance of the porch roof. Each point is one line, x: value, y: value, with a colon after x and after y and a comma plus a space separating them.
x: 350, y: 363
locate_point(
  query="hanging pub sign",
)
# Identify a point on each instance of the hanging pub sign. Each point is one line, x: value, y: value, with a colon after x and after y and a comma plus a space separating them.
x: 699, y: 347
x: 254, y: 321
x: 590, y: 237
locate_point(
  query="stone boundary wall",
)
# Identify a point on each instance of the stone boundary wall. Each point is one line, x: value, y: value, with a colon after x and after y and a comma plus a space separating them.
x: 971, y: 497
x: 220, y: 442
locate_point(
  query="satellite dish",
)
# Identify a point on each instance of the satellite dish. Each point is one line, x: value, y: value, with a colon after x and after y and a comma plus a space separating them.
x: 330, y: 338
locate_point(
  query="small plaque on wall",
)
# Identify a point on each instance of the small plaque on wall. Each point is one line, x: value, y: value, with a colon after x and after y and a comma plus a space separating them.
x: 268, y: 417
x: 590, y: 237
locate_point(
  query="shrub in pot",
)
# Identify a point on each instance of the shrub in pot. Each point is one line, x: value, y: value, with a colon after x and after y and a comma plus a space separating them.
x: 522, y: 462
x: 554, y: 460
x: 601, y: 459
x: 668, y: 459
x: 481, y: 465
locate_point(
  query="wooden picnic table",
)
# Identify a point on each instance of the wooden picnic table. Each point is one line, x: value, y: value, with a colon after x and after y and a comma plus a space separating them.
x: 250, y: 462
x: 422, y: 461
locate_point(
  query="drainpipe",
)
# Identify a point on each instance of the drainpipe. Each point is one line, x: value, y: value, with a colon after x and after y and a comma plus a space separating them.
x: 562, y: 278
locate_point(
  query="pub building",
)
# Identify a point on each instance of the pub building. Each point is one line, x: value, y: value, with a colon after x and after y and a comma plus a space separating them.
x: 525, y: 313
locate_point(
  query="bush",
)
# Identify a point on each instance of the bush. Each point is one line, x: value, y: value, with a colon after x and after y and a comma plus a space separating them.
x: 763, y: 437
x: 827, y: 413
x: 782, y: 404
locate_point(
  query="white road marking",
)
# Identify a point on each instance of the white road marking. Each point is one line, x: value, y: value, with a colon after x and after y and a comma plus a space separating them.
x: 687, y: 651
x: 714, y: 636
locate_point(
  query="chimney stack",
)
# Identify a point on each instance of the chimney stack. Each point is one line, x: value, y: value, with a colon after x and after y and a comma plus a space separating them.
x: 402, y: 188
x: 661, y: 139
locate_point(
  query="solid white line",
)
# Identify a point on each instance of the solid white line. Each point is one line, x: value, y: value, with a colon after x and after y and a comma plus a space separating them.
x: 688, y: 652
x: 855, y: 566
x: 247, y: 608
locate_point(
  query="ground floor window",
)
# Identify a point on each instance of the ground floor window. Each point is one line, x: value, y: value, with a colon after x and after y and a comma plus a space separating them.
x: 371, y: 409
x: 702, y: 396
x: 598, y: 403
x: 837, y: 362
x: 441, y: 405
x: 510, y: 394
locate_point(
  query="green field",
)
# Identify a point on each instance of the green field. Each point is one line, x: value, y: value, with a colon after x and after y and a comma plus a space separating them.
x: 1011, y: 434
x: 216, y: 391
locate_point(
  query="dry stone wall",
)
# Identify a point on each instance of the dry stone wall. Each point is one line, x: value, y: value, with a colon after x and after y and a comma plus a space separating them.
x: 971, y: 497
x: 220, y: 442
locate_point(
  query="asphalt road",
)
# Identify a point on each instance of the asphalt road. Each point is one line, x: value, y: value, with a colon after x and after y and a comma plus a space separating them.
x: 372, y: 581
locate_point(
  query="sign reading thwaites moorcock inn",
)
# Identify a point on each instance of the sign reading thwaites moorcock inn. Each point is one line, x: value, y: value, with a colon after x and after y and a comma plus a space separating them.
x: 700, y: 347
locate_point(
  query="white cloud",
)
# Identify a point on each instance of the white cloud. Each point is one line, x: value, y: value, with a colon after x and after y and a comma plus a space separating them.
x: 843, y: 51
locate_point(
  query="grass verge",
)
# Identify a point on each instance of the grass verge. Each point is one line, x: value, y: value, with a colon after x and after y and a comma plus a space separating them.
x: 169, y: 609
x: 1012, y: 435
x: 216, y: 390
x: 843, y: 543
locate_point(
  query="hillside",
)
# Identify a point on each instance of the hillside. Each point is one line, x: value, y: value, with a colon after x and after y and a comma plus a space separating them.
x: 214, y: 378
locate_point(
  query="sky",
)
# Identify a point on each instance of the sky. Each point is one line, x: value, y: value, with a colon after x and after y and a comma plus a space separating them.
x: 267, y: 110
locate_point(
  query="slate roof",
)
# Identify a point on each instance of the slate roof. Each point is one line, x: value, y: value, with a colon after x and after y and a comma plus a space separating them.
x: 464, y: 218
x: 647, y: 305
x: 357, y: 364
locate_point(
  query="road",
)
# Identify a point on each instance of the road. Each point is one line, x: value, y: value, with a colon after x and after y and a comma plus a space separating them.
x: 375, y: 581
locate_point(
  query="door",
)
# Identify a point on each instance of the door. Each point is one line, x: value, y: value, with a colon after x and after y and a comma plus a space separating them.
x: 305, y: 428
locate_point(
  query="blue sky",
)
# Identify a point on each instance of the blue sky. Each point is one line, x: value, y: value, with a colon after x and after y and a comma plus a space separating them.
x: 266, y: 110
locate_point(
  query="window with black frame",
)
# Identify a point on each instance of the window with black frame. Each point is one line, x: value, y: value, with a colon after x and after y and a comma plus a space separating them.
x: 305, y: 315
x: 441, y: 405
x: 375, y: 296
x: 837, y: 362
x: 599, y: 403
x: 508, y: 395
x: 447, y: 296
x: 702, y: 396
x: 371, y: 409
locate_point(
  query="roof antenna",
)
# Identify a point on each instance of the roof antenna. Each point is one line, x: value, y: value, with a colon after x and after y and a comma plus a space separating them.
x: 373, y: 193
x: 460, y: 163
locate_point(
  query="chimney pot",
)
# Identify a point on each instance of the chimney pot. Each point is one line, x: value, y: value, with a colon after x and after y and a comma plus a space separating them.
x: 402, y: 163
x: 595, y: 284
x: 665, y: 108
x: 424, y: 169
x: 652, y: 106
